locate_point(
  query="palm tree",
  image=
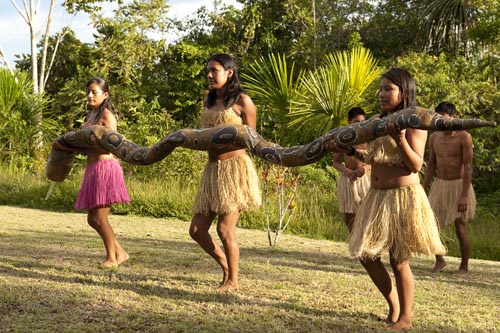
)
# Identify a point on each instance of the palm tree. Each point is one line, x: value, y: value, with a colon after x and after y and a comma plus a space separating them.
x: 19, y: 110
x: 446, y: 23
x: 308, y: 104
x: 273, y: 83
x: 332, y: 89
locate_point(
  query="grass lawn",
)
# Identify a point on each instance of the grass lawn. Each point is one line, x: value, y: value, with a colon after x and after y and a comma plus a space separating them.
x: 50, y: 281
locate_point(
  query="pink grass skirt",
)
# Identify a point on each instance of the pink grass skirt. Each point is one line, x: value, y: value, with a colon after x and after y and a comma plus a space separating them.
x: 103, y: 185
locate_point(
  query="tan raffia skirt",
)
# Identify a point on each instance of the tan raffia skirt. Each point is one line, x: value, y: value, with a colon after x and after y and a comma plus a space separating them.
x: 227, y: 186
x: 443, y: 197
x: 350, y: 194
x: 399, y: 221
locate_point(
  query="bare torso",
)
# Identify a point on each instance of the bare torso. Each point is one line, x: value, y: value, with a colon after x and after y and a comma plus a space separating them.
x: 448, y: 147
x: 389, y: 175
x: 107, y: 119
x: 385, y: 176
x: 228, y: 151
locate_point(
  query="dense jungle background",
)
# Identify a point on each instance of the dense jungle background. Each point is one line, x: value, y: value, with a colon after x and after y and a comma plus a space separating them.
x: 304, y: 63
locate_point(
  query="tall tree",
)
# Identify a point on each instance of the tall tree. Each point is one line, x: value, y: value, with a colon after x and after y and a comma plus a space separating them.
x: 393, y: 28
x: 446, y: 23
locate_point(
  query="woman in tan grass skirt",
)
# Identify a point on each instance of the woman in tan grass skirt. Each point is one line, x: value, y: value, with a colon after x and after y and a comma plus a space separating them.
x: 230, y: 183
x: 395, y: 215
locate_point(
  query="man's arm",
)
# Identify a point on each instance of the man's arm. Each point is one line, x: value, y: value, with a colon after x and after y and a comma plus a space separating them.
x: 430, y: 171
x: 467, y: 153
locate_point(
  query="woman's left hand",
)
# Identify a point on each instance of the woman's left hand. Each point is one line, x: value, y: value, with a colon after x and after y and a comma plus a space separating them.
x: 333, y: 147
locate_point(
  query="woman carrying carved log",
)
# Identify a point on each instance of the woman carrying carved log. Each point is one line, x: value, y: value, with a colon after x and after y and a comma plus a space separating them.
x: 103, y: 183
x: 230, y: 183
x: 395, y: 215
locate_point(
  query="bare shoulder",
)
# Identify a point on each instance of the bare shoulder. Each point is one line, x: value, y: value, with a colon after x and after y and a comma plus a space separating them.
x: 433, y: 137
x: 245, y: 104
x: 465, y: 137
x: 245, y: 100
x: 108, y: 119
x: 464, y: 134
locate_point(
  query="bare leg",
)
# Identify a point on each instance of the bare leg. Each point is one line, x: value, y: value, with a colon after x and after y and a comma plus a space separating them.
x: 406, y: 291
x: 464, y: 243
x: 349, y: 219
x: 380, y: 276
x: 226, y: 230
x: 97, y: 218
x: 199, y: 231
x: 121, y: 255
x: 440, y: 264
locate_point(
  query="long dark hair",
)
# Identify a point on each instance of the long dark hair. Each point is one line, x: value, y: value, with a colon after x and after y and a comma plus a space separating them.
x: 233, y: 90
x: 406, y: 84
x: 105, y: 88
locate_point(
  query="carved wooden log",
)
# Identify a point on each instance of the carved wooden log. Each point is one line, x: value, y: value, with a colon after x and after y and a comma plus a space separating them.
x: 60, y: 162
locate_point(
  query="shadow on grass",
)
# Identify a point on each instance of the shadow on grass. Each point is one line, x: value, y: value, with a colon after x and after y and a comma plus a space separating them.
x: 166, y: 269
x: 42, y: 257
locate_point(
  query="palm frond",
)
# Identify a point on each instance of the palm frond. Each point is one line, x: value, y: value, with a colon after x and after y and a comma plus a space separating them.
x: 332, y: 89
x: 272, y: 82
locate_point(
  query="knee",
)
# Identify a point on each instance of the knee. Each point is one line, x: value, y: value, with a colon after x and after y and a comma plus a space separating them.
x: 225, y: 233
x: 93, y: 222
x: 194, y: 232
x: 399, y: 266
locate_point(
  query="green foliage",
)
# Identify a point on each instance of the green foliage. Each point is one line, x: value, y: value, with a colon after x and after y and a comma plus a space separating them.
x: 446, y: 22
x: 273, y: 84
x: 471, y: 87
x: 333, y: 89
x: 181, y: 79
x: 313, y: 102
x: 126, y: 51
x: 147, y: 124
x: 393, y: 28
x: 19, y: 118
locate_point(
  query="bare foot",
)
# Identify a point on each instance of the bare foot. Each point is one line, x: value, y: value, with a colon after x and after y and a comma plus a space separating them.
x: 225, y: 277
x: 440, y: 264
x: 400, y: 326
x: 121, y: 258
x: 463, y: 270
x: 392, y: 317
x: 228, y: 287
x: 109, y: 264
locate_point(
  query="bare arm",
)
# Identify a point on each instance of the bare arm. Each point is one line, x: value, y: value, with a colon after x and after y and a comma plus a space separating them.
x: 430, y: 171
x: 411, y: 144
x: 248, y: 111
x: 467, y: 154
x: 337, y: 162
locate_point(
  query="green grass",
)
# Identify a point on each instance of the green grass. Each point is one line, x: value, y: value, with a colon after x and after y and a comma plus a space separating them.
x: 315, y: 216
x: 50, y: 281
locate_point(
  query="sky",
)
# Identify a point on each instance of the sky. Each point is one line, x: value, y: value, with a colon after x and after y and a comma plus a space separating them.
x: 14, y: 31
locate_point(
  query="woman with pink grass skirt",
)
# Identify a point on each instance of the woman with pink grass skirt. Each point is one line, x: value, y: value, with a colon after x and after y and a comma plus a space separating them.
x: 103, y: 183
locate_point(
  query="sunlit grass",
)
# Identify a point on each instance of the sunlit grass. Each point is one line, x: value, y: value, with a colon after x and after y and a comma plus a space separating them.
x: 51, y: 282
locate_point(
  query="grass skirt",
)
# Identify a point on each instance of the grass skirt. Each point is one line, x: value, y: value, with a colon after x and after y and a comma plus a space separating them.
x: 398, y: 220
x: 227, y: 186
x: 350, y: 194
x: 443, y: 197
x: 102, y: 185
